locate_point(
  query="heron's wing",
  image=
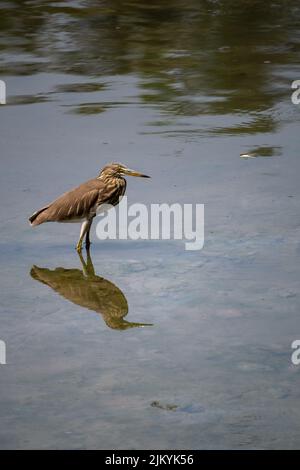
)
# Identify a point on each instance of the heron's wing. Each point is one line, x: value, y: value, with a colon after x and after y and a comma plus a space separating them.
x: 78, y: 203
x: 74, y: 204
x: 70, y: 206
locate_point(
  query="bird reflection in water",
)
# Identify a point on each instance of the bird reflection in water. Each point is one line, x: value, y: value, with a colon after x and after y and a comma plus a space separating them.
x: 85, y: 288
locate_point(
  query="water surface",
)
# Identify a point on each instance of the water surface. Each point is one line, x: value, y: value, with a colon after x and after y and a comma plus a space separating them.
x: 180, y: 91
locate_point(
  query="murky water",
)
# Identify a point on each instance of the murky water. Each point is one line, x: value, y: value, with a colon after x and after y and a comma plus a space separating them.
x: 180, y: 90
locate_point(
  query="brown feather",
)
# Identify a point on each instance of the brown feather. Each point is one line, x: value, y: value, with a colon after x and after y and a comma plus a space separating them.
x: 33, y: 219
x: 82, y: 201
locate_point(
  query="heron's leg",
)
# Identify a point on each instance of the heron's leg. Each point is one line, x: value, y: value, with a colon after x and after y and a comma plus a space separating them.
x: 84, y: 228
x: 89, y: 263
x: 83, y: 263
x: 87, y: 237
x: 87, y: 266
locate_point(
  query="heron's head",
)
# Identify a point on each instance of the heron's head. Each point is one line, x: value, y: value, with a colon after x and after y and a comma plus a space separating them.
x: 117, y: 170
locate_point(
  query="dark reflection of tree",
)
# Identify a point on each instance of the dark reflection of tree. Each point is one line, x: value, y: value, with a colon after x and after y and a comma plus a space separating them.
x: 192, y: 57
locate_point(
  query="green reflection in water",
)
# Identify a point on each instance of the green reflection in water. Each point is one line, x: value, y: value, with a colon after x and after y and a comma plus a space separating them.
x: 88, y: 290
x: 79, y: 88
x: 191, y: 58
x: 263, y: 151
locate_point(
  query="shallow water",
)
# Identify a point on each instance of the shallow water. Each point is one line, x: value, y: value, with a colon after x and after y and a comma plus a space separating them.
x: 181, y: 91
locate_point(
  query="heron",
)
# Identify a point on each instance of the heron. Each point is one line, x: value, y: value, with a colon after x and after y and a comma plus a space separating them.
x: 81, y: 204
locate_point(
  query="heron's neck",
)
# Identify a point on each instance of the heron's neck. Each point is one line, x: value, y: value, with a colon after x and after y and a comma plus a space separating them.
x: 112, y: 180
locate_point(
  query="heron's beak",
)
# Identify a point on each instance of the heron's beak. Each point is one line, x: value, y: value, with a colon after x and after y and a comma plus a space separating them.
x: 129, y: 172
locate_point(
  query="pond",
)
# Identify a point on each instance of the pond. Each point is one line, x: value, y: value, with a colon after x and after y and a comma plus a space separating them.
x: 143, y: 344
